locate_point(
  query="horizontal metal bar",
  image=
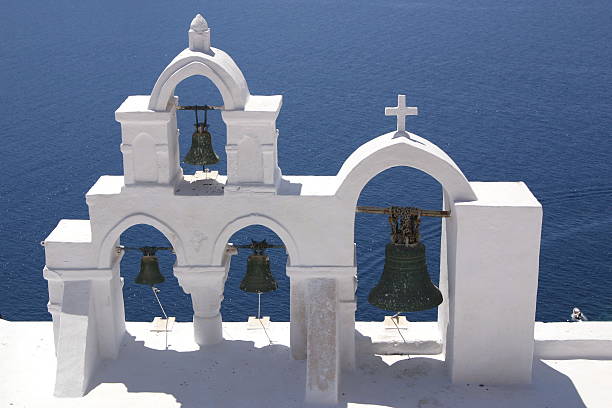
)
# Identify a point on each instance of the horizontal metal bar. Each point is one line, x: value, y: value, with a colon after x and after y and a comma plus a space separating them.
x: 200, y: 107
x: 125, y: 248
x: 409, y: 210
x: 251, y: 246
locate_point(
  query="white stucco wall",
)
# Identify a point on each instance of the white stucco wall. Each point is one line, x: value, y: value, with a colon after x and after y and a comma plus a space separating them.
x: 490, y: 243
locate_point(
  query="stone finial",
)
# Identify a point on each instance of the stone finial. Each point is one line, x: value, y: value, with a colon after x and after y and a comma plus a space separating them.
x: 199, y: 35
x: 199, y: 24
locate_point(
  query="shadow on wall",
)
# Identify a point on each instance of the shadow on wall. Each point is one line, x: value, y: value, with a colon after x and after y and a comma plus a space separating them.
x: 236, y: 374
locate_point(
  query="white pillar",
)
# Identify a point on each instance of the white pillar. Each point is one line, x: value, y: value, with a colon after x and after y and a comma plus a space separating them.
x: 149, y: 143
x: 298, y: 318
x: 347, y: 306
x: 323, y: 357
x: 77, y: 345
x: 205, y: 284
x: 88, y: 323
x: 251, y: 145
x: 493, y: 256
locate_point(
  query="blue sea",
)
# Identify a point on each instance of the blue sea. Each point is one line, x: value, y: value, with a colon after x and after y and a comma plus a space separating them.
x: 517, y: 90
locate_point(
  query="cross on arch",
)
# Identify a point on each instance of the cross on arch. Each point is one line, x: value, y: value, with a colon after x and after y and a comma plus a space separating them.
x: 401, y: 111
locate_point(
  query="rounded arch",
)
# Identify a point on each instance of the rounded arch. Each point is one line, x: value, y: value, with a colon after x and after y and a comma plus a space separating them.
x: 113, y: 234
x: 389, y: 150
x: 218, y: 67
x: 254, y: 219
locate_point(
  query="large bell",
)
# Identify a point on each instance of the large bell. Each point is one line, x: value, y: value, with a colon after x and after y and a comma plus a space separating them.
x: 258, y: 278
x: 201, y: 152
x: 405, y: 285
x: 149, y: 269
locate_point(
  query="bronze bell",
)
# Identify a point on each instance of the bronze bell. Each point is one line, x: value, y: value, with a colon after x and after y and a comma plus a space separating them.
x: 149, y: 268
x: 405, y: 285
x: 258, y: 277
x: 201, y: 152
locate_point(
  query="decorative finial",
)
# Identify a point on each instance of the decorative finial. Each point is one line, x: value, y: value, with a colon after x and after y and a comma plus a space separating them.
x: 199, y: 35
x: 199, y: 24
x: 401, y: 111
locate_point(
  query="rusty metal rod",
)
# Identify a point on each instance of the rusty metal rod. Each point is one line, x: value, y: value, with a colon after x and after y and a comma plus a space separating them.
x: 126, y: 248
x: 200, y: 107
x: 252, y: 246
x: 410, y: 210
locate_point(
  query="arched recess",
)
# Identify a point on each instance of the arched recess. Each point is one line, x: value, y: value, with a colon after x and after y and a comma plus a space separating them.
x: 219, y: 68
x: 398, y: 186
x: 254, y: 219
x: 388, y: 151
x: 139, y: 303
x: 238, y: 305
x: 105, y: 256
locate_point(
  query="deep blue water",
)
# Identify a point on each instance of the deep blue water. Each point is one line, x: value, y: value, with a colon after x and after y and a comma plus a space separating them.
x: 516, y: 90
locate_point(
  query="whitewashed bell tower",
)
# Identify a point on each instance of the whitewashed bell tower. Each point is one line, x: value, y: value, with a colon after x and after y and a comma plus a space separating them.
x: 489, y: 243
x: 149, y: 126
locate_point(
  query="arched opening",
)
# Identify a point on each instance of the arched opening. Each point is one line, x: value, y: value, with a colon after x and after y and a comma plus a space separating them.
x: 237, y: 305
x: 139, y: 301
x: 198, y: 90
x: 398, y: 186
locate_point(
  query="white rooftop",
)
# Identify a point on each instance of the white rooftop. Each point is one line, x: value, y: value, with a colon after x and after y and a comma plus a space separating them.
x: 248, y: 372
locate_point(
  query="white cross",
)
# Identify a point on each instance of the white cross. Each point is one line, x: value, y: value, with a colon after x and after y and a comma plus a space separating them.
x: 401, y: 111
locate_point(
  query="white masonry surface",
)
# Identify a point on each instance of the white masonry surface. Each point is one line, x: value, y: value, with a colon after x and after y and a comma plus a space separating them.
x: 245, y: 371
x: 489, y: 245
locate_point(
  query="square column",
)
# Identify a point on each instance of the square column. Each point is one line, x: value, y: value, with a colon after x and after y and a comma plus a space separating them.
x: 88, y: 324
x: 346, y: 304
x: 298, y: 320
x: 323, y: 357
x: 252, y: 158
x: 493, y: 247
x: 149, y: 143
x: 205, y: 285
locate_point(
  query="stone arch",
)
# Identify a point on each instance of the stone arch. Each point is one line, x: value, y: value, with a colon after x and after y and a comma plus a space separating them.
x: 254, y: 219
x: 218, y: 67
x: 389, y: 150
x: 113, y: 234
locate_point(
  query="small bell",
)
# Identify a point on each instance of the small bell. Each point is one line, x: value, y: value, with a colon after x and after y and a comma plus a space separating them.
x: 201, y: 152
x: 405, y: 285
x: 258, y: 277
x: 149, y: 268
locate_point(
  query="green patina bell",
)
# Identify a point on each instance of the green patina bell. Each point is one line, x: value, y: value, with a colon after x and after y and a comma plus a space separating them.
x: 258, y: 278
x: 405, y: 285
x: 149, y: 268
x: 201, y: 152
